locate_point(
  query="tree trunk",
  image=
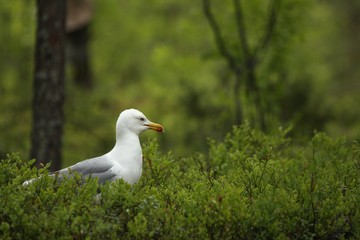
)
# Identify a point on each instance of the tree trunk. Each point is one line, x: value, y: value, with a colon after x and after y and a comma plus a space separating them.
x: 78, y: 19
x: 254, y: 94
x: 78, y: 52
x: 48, y: 85
x: 239, y: 118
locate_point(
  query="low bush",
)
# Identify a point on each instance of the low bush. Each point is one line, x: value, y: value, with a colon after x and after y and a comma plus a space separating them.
x: 249, y: 186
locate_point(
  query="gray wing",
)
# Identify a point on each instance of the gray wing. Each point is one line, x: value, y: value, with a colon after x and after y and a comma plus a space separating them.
x: 95, y: 167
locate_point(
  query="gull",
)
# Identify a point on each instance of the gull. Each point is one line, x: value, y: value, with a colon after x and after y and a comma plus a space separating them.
x: 124, y: 161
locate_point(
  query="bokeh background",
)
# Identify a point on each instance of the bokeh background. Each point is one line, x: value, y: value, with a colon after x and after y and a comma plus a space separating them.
x: 160, y: 57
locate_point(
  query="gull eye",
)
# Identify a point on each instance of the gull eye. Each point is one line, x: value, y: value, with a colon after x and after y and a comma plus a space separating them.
x: 142, y: 119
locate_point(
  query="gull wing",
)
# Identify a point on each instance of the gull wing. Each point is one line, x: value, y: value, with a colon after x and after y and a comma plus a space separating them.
x: 99, y: 167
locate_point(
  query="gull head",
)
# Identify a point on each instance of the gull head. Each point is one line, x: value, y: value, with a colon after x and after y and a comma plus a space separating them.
x: 135, y: 121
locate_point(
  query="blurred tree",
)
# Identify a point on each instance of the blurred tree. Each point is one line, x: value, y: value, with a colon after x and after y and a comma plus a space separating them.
x: 48, y: 86
x: 78, y: 17
x: 244, y: 63
x: 256, y: 26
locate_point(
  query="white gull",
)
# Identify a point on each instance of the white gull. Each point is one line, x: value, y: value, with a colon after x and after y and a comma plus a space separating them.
x: 124, y: 161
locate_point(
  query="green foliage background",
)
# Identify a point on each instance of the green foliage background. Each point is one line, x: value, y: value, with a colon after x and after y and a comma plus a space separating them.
x: 160, y: 57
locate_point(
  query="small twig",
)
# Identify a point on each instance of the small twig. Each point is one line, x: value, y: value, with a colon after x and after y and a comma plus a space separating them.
x: 269, y: 30
x: 241, y: 28
x: 220, y: 43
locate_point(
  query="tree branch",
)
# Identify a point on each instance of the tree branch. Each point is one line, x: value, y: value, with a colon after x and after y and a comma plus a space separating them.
x: 220, y: 43
x: 269, y: 30
x: 241, y: 29
x: 252, y: 87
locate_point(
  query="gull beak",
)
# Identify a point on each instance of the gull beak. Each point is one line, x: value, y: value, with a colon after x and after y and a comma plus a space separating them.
x: 155, y: 126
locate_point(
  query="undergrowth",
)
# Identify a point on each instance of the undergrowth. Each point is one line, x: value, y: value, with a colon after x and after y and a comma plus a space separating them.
x: 249, y: 186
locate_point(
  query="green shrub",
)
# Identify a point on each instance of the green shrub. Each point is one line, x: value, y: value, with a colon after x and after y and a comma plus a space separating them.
x: 250, y: 186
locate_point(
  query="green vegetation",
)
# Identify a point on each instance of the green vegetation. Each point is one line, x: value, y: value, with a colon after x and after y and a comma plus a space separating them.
x: 249, y: 186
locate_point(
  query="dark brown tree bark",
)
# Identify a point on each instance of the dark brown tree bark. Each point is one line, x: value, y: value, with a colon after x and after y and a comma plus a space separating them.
x: 78, y: 56
x: 78, y: 20
x: 48, y: 85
